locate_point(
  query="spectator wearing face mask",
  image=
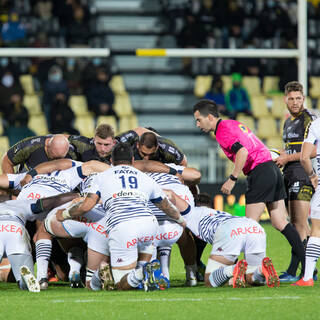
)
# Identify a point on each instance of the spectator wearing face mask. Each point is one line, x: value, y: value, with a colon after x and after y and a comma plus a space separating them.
x: 9, y: 88
x: 237, y: 99
x: 55, y: 84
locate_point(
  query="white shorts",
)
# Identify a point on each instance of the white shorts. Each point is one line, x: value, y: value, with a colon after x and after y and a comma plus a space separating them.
x: 168, y: 233
x: 315, y: 205
x: 14, y: 238
x: 239, y: 235
x: 130, y: 237
x: 93, y: 232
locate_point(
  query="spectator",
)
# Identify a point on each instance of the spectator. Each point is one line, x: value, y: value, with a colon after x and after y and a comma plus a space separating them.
x: 100, y: 96
x: 13, y: 32
x: 78, y: 32
x: 16, y: 120
x: 10, y: 88
x: 55, y: 84
x: 237, y: 99
x: 73, y: 74
x: 216, y: 94
x: 62, y: 116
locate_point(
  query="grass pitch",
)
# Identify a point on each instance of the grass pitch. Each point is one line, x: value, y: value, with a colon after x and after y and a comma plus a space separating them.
x: 179, y: 302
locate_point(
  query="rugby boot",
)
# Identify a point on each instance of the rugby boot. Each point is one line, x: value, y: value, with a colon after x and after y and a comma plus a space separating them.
x: 150, y: 283
x: 29, y: 279
x: 106, y: 277
x: 270, y: 273
x: 286, y: 277
x: 191, y: 275
x: 75, y: 281
x: 303, y: 283
x: 43, y: 283
x: 239, y: 273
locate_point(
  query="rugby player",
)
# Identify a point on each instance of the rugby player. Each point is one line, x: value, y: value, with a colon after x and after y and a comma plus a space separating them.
x: 130, y: 224
x: 298, y: 185
x: 229, y: 236
x: 313, y: 245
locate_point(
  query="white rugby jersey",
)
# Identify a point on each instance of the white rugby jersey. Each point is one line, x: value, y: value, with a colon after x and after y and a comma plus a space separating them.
x: 125, y: 192
x: 18, y: 210
x: 313, y: 136
x: 51, y: 184
x: 203, y: 222
x: 170, y: 182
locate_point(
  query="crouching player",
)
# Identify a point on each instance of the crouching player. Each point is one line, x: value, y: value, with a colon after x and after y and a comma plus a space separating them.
x: 14, y: 238
x: 131, y: 227
x: 229, y: 237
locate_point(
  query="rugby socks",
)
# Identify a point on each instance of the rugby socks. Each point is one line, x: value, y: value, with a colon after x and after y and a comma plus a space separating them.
x: 43, y: 253
x: 200, y: 245
x: 135, y: 277
x: 312, y: 255
x: 293, y: 238
x: 294, y: 263
x: 164, y: 254
x: 89, y: 275
x: 220, y: 276
x: 95, y: 283
x: 75, y: 260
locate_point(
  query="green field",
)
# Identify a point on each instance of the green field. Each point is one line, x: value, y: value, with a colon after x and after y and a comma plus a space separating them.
x: 179, y: 302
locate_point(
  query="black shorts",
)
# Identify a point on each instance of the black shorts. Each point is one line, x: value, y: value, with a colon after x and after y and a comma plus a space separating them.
x: 298, y: 186
x: 265, y: 184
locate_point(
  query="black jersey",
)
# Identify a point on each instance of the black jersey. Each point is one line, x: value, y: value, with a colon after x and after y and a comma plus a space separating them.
x: 293, y: 135
x: 167, y: 151
x: 83, y: 149
x: 30, y: 152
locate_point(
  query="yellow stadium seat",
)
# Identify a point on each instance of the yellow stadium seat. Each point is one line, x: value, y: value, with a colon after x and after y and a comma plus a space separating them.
x: 111, y: 120
x: 229, y: 168
x: 26, y: 82
x: 279, y: 108
x: 270, y: 84
x: 4, y: 146
x: 78, y: 104
x: 308, y: 103
x: 1, y: 126
x: 267, y: 128
x: 227, y: 83
x: 122, y: 105
x: 252, y: 85
x: 315, y: 87
x: 128, y: 123
x: 85, y: 125
x: 38, y: 124
x: 259, y: 106
x: 202, y: 85
x: 275, y: 143
x: 32, y: 103
x: 247, y: 121
x: 117, y: 85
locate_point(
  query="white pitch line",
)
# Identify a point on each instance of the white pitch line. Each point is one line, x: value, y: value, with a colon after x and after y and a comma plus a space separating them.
x: 177, y: 299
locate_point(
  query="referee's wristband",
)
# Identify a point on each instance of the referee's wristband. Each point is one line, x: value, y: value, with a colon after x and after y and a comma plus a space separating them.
x: 233, y: 178
x: 172, y: 171
x: 32, y: 172
x: 66, y: 214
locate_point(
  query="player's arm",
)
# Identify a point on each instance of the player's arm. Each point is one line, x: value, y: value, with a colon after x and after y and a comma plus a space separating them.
x: 191, y: 176
x: 6, y: 165
x: 79, y: 208
x: 46, y: 167
x: 307, y: 151
x: 47, y: 204
x: 171, y: 211
x: 4, y: 182
x: 94, y: 166
x: 240, y: 160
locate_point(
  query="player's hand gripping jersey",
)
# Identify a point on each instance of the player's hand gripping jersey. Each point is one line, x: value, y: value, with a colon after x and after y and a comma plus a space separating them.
x: 125, y: 192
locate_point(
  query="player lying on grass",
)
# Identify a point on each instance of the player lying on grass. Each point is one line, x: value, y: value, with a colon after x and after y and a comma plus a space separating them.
x: 129, y: 223
x: 14, y: 238
x: 229, y: 237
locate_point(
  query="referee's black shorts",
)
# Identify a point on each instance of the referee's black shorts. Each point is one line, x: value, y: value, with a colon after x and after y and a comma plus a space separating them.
x: 265, y: 184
